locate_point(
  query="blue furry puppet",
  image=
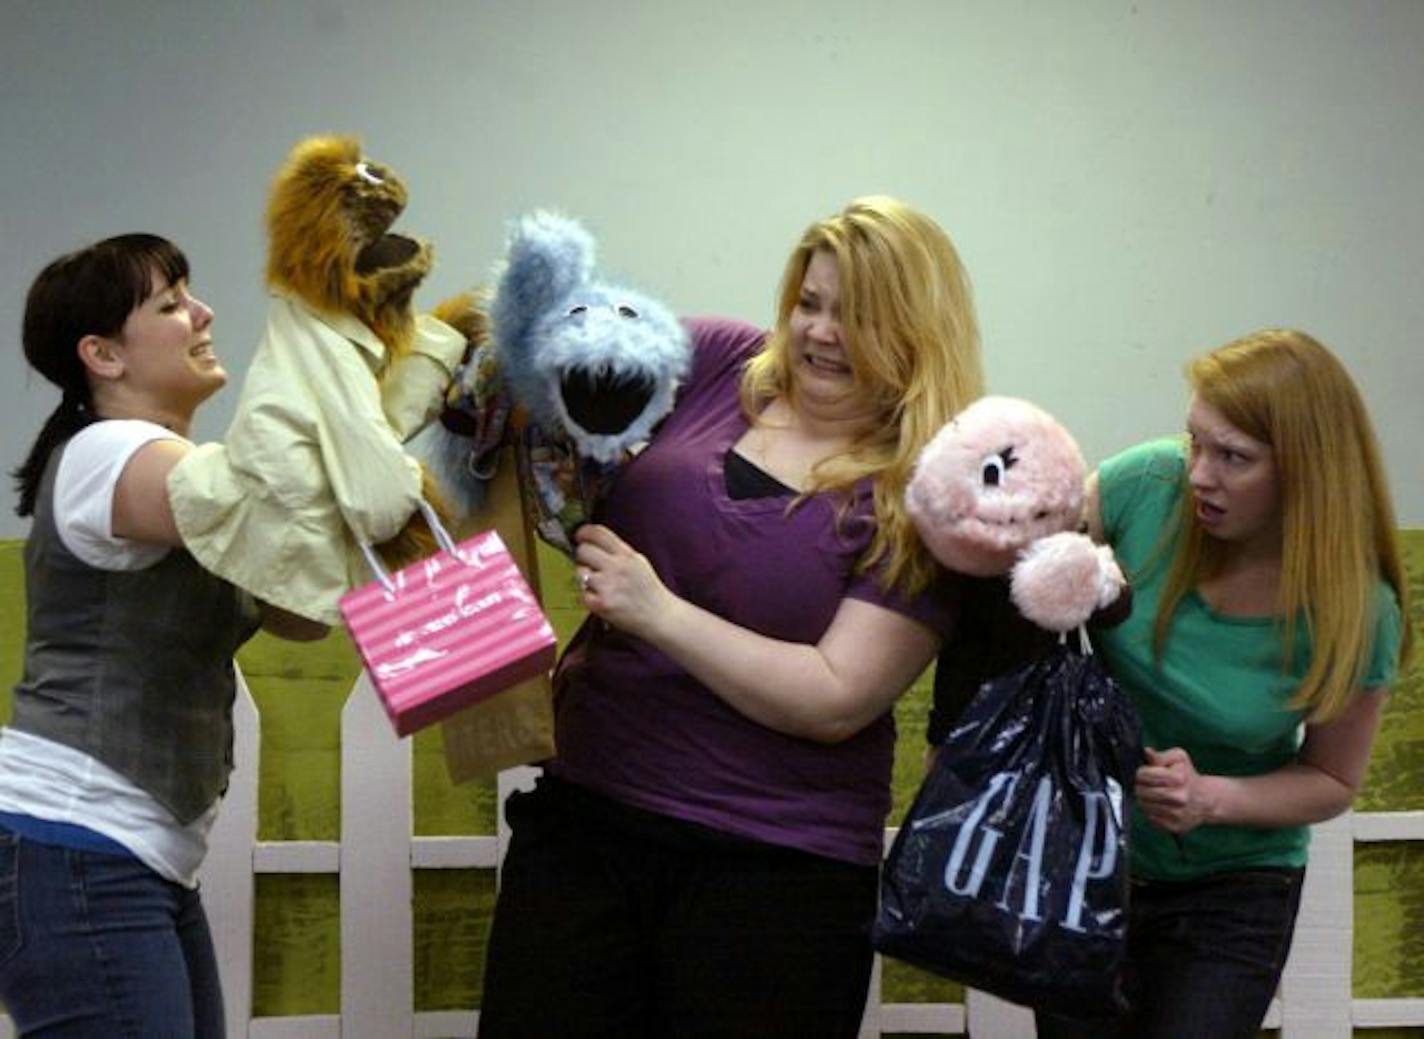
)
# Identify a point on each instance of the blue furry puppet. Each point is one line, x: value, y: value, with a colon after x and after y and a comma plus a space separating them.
x: 583, y: 370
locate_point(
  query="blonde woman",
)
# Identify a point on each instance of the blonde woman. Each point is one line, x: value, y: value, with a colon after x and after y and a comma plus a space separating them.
x: 1268, y: 596
x: 701, y: 856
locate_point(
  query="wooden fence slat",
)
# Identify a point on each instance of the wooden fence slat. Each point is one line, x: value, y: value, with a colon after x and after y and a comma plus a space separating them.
x: 226, y: 879
x: 377, y: 971
x: 297, y: 857
x: 304, y: 1026
x: 1315, y: 986
x: 1388, y: 826
x: 922, y: 1017
x: 871, y: 1025
x: 1388, y: 1013
x: 989, y: 1017
x: 443, y: 1024
x: 454, y: 852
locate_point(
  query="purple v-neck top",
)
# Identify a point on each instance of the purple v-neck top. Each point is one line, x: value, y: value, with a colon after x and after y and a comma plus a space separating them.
x: 631, y: 724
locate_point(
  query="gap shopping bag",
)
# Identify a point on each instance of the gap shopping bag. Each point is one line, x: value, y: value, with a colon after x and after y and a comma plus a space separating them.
x: 448, y: 631
x: 1010, y: 872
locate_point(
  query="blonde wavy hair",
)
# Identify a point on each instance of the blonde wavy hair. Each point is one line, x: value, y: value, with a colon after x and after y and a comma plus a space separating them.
x: 1285, y: 389
x: 912, y: 342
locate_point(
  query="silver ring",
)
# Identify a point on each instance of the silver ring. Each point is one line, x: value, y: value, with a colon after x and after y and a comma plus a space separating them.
x: 584, y: 579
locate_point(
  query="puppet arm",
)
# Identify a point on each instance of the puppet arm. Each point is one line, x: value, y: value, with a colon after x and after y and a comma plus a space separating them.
x: 375, y: 484
x: 1062, y: 580
x: 413, y: 387
x: 142, y: 512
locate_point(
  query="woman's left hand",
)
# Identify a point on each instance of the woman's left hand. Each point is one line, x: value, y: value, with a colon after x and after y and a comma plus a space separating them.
x: 1172, y: 793
x: 617, y: 583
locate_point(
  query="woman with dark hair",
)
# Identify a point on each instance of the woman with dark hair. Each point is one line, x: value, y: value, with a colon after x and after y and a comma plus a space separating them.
x: 113, y: 765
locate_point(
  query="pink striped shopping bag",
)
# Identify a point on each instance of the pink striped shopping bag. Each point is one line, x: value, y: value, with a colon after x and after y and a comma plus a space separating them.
x: 448, y: 631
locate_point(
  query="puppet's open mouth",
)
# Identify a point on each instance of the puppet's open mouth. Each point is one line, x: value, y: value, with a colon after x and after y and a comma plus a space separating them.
x: 389, y: 250
x: 605, y: 404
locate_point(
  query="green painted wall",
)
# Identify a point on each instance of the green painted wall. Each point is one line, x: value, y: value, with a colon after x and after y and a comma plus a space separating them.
x: 300, y: 690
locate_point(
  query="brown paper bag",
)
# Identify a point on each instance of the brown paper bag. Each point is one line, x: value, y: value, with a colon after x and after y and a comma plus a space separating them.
x: 516, y: 726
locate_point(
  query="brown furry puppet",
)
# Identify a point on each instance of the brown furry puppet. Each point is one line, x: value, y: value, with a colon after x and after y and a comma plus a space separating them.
x: 346, y: 372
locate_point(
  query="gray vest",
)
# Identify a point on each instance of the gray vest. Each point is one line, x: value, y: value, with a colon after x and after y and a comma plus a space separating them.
x: 132, y: 667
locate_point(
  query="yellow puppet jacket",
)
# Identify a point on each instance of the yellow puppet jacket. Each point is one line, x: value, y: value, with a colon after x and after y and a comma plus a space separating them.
x: 313, y: 461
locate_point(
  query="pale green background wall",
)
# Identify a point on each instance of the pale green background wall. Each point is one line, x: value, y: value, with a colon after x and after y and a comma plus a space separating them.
x: 1128, y: 181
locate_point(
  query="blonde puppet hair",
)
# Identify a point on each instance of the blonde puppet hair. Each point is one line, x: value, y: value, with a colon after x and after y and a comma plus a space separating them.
x: 912, y: 341
x: 1285, y: 389
x: 328, y: 215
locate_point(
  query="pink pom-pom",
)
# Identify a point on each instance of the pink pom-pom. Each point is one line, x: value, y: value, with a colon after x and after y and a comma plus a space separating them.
x: 1061, y: 580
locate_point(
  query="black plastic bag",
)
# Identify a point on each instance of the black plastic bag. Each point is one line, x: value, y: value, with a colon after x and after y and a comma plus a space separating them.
x: 1010, y: 873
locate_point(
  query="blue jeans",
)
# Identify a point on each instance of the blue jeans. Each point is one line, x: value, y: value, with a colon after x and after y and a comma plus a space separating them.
x: 95, y: 945
x: 1204, y: 957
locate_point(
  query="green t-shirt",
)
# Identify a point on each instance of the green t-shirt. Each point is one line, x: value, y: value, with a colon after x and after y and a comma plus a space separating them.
x: 1219, y: 690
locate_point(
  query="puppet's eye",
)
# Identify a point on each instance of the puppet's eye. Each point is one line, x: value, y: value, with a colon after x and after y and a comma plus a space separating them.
x: 366, y: 173
x: 577, y: 309
x: 625, y: 311
x: 994, y: 466
x: 992, y: 471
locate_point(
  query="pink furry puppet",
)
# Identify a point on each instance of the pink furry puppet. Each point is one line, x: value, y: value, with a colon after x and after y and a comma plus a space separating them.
x: 1023, y: 726
x: 997, y: 497
x: 1000, y: 490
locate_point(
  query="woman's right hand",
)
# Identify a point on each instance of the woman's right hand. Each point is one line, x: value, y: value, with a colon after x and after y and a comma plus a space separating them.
x: 618, y: 583
x: 1318, y: 785
x: 1171, y: 792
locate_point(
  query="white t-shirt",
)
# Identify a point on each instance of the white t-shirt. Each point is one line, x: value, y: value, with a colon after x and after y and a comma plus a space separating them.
x: 51, y: 781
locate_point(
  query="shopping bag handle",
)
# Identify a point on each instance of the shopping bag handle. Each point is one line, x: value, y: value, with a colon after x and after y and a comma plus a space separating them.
x: 442, y: 538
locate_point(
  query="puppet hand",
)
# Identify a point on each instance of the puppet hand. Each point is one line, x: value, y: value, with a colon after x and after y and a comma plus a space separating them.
x: 468, y: 314
x: 1061, y: 580
x: 1171, y: 792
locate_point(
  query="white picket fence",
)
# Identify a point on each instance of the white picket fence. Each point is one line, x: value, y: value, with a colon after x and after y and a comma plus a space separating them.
x: 377, y: 853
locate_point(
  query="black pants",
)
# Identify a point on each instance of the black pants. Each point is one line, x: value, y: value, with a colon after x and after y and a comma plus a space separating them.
x: 1204, y: 957
x: 617, y: 922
